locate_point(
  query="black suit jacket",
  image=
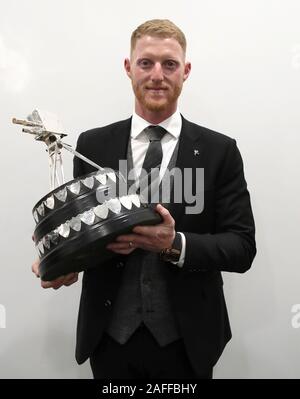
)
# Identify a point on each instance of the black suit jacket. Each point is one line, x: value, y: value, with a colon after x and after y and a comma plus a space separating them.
x: 220, y: 238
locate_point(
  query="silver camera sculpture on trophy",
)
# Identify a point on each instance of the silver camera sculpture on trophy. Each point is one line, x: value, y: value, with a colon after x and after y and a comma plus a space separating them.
x: 74, y: 222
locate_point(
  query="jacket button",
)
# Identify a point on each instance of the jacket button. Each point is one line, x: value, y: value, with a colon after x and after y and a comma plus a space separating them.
x: 107, y: 302
x: 120, y: 264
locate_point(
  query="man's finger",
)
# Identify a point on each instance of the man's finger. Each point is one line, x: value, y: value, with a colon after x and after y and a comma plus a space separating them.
x: 35, y: 268
x: 54, y: 283
x: 57, y: 283
x: 46, y: 284
x: 125, y: 251
x: 70, y: 279
x: 167, y: 218
x: 144, y: 230
x: 117, y: 246
x: 126, y: 238
x: 70, y: 276
x: 70, y: 282
x: 135, y: 240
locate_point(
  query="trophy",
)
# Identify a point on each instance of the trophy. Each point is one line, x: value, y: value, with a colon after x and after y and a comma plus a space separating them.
x: 77, y: 219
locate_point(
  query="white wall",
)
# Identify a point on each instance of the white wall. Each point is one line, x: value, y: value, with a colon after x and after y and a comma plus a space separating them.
x: 66, y: 56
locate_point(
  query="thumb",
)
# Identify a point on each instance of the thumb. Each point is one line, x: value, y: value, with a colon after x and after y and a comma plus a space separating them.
x: 165, y: 214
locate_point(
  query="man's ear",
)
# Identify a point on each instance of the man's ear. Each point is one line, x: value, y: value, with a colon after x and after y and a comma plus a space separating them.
x: 127, y: 67
x: 187, y: 70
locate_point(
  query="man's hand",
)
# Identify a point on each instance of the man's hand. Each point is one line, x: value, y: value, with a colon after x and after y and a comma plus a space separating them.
x: 66, y: 280
x: 151, y: 238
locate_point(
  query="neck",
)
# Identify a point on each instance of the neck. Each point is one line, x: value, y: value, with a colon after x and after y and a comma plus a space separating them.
x: 154, y: 117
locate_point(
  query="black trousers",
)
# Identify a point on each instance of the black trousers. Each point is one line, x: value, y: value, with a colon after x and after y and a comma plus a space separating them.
x: 142, y: 357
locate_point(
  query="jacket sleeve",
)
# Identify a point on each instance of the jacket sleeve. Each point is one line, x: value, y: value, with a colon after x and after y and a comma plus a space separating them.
x: 232, y: 245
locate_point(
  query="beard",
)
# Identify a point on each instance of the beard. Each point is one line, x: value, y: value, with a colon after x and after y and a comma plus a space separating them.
x: 159, y: 104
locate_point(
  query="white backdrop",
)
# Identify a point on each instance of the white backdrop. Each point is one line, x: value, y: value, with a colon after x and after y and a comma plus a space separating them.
x: 66, y: 56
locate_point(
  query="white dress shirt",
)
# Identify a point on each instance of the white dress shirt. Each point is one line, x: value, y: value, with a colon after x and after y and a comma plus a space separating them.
x: 140, y: 143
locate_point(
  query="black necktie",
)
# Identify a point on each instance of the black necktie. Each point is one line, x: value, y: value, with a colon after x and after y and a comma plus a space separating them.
x: 154, y: 153
x: 153, y: 158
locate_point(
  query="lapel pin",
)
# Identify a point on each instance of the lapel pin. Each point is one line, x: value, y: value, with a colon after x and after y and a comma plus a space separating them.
x: 196, y: 152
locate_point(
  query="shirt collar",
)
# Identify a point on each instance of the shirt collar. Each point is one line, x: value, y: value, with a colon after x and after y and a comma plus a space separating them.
x: 172, y: 125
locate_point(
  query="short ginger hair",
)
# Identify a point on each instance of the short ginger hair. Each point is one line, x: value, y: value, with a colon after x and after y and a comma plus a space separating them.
x: 162, y: 28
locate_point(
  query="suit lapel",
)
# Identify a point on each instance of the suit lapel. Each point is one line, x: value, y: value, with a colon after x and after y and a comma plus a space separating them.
x: 189, y: 154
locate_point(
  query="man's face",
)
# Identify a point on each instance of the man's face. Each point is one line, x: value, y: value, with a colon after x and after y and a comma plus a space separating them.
x: 157, y: 70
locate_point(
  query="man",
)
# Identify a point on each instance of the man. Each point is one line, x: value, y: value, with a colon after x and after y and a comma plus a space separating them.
x: 152, y: 316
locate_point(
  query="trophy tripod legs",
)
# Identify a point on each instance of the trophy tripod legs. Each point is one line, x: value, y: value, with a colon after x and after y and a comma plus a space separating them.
x: 56, y: 171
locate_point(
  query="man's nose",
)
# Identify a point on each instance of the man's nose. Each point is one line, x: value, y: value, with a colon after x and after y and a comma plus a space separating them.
x: 157, y: 72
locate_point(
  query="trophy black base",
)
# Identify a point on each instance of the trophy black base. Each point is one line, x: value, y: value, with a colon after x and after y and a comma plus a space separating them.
x: 88, y: 249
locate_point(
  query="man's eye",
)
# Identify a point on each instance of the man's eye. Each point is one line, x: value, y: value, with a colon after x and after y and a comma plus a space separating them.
x: 170, y: 64
x: 144, y: 63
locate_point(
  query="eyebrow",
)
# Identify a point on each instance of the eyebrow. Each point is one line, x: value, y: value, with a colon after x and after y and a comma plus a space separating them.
x: 166, y: 58
x: 166, y: 55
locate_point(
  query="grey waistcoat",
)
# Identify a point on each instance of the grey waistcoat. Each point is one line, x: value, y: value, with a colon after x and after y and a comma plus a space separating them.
x: 143, y: 295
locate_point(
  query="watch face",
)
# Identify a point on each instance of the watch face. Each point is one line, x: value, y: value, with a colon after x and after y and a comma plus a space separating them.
x: 171, y: 255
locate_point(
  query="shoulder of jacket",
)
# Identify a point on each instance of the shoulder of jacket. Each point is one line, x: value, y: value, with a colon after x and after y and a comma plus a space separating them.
x: 105, y: 130
x: 207, y: 134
